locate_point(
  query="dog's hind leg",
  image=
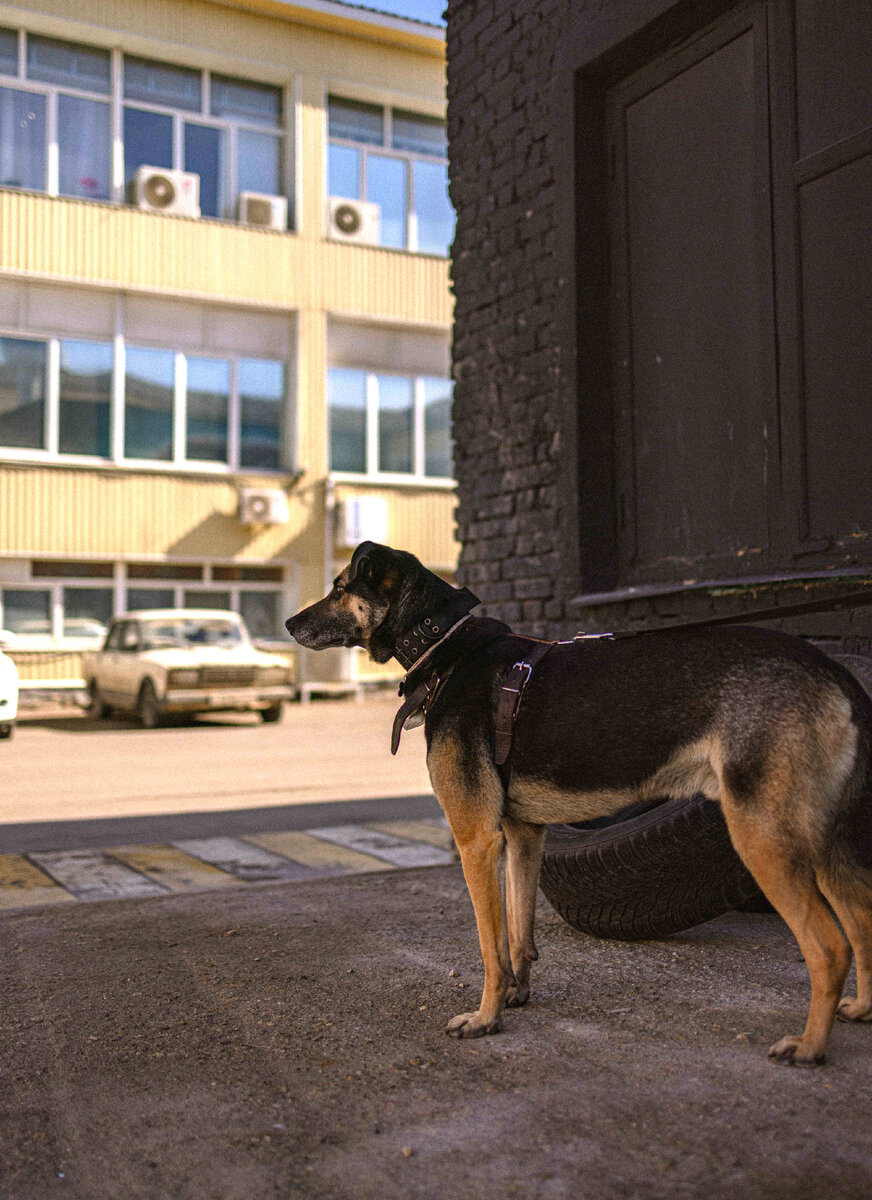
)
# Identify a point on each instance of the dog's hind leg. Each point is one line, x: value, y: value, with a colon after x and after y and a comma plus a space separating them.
x: 856, y: 919
x: 523, y: 859
x: 790, y: 887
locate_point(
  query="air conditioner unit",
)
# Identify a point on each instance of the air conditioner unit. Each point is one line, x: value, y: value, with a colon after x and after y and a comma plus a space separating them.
x: 270, y: 212
x: 263, y: 506
x: 362, y: 519
x: 353, y: 221
x: 176, y: 192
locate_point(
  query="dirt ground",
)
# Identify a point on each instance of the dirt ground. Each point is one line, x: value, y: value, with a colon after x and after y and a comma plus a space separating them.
x: 289, y: 1042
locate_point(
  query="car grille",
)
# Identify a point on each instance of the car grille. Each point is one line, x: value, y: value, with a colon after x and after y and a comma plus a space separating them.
x: 228, y: 676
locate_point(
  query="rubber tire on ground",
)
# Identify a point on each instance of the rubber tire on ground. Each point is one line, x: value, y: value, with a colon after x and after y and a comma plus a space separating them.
x: 646, y: 875
x: 147, y: 706
x: 97, y: 706
x: 270, y: 716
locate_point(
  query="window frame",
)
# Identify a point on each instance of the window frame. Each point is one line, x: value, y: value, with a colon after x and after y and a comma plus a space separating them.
x: 49, y: 451
x: 385, y: 150
x: 115, y: 100
x: 372, y: 473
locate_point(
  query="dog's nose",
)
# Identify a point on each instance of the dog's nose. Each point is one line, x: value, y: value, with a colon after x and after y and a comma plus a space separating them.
x: 289, y: 625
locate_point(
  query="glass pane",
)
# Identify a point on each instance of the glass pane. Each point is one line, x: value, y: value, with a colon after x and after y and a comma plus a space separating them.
x: 208, y: 407
x: 85, y: 397
x: 419, y: 135
x: 85, y: 148
x: 346, y: 398
x: 261, y: 402
x: 259, y: 163
x: 26, y: 612
x: 395, y: 422
x: 437, y: 427
x: 22, y: 393
x: 260, y: 612
x: 160, y: 83
x: 69, y: 63
x: 356, y: 122
x: 209, y: 599
x: 84, y: 609
x: 206, y: 156
x: 343, y: 169
x: 148, y: 403
x: 258, y: 103
x: 8, y: 52
x: 148, y: 141
x: 435, y: 216
x: 138, y: 598
x: 22, y: 140
x: 386, y: 185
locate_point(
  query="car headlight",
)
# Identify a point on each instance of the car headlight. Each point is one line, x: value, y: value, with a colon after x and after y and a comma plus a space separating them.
x: 182, y: 677
x: 272, y: 676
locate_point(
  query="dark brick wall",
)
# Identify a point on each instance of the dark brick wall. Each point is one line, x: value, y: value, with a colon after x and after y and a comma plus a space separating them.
x: 511, y: 362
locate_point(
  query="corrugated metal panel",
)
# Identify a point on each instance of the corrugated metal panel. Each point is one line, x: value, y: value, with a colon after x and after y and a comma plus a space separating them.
x: 119, y: 246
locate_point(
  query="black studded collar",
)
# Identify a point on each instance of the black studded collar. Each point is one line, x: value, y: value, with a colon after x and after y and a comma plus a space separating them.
x: 412, y: 645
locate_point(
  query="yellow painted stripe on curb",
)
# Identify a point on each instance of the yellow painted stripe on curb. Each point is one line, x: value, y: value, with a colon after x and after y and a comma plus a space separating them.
x: 173, y: 868
x: 24, y: 885
x: 313, y: 852
x: 415, y: 831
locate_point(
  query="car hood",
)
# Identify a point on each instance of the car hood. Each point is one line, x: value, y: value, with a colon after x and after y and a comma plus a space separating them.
x: 208, y: 656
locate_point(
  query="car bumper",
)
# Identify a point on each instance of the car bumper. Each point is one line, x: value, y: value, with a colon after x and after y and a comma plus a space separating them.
x: 226, y: 699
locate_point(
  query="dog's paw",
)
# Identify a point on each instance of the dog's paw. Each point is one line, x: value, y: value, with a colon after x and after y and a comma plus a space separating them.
x: 470, y: 1025
x: 853, y: 1009
x: 517, y: 996
x: 792, y: 1053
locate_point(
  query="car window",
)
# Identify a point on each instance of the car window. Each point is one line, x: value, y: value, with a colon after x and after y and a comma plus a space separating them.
x: 113, y: 641
x: 192, y: 631
x: 129, y: 636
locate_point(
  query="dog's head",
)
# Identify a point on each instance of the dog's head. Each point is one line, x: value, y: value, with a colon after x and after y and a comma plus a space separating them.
x: 372, y: 600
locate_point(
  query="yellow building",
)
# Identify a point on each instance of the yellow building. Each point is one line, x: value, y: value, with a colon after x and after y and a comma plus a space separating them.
x: 224, y: 306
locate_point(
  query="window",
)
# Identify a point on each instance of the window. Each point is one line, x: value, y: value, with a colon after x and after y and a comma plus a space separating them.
x: 223, y: 410
x: 397, y: 160
x: 387, y: 424
x: 77, y: 599
x: 234, y: 144
x: 59, y: 102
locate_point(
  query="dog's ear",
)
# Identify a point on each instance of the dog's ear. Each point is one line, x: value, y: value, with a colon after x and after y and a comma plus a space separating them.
x: 374, y: 566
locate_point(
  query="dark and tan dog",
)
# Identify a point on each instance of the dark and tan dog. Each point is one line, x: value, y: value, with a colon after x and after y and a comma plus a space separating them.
x: 762, y: 722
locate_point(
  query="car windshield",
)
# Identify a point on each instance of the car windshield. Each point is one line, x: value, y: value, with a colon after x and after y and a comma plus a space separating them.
x: 191, y: 631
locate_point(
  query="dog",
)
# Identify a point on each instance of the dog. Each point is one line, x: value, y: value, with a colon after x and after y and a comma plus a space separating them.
x: 777, y: 732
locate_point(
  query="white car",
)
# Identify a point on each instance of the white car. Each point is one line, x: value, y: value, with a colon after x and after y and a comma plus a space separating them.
x: 183, y: 660
x: 8, y: 692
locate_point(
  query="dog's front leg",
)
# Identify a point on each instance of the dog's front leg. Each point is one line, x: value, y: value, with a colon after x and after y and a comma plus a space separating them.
x: 471, y: 797
x: 523, y: 859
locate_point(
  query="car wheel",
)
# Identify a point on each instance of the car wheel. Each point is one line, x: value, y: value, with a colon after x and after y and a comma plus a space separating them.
x: 650, y: 871
x: 97, y: 706
x: 270, y: 716
x: 6, y: 732
x: 147, y: 706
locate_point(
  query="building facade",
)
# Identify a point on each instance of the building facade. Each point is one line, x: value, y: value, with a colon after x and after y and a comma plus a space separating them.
x: 662, y: 333
x: 224, y: 307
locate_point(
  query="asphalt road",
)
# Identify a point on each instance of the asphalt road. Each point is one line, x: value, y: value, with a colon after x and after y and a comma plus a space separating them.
x: 67, y: 779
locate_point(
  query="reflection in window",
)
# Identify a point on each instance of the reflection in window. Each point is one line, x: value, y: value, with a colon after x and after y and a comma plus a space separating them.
x: 343, y: 166
x: 208, y: 409
x: 22, y: 393
x: 253, y: 103
x: 85, y: 608
x: 160, y: 83
x: 261, y: 403
x: 419, y: 134
x: 355, y: 122
x: 261, y: 613
x: 149, y: 388
x: 438, y: 459
x: 8, y: 52
x: 84, y: 148
x: 433, y: 211
x: 346, y: 394
x: 206, y: 156
x: 83, y: 67
x: 207, y: 599
x: 259, y: 168
x: 85, y: 397
x: 26, y: 611
x: 387, y: 186
x: 139, y: 598
x: 395, y: 423
x: 22, y: 140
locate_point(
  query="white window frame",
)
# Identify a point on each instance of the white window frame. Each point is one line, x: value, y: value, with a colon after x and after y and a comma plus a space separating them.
x: 386, y: 150
x: 117, y: 457
x: 419, y: 446
x: 116, y: 101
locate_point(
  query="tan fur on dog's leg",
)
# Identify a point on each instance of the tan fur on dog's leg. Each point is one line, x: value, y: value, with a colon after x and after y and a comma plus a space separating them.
x: 791, y: 889
x: 856, y: 921
x: 523, y: 859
